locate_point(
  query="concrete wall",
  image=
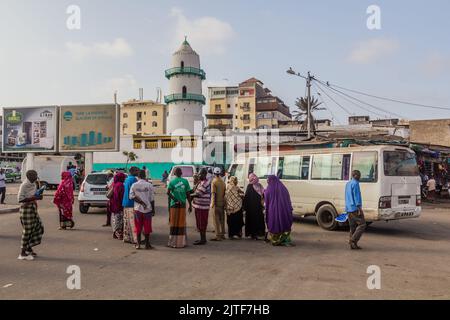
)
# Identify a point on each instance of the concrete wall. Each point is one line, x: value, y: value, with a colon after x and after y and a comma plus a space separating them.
x: 433, y: 132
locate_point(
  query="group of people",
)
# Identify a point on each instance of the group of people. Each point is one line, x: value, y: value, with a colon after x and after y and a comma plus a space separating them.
x: 253, y: 209
x: 264, y: 212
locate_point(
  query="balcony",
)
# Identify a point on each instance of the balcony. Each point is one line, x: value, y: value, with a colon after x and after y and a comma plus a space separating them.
x: 185, y: 97
x: 219, y: 110
x: 245, y: 108
x: 186, y: 70
x: 246, y: 121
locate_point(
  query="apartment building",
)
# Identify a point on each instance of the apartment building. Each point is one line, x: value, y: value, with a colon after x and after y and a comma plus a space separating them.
x: 142, y: 117
x: 245, y: 107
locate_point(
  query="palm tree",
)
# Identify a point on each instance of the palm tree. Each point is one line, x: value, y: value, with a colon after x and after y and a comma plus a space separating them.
x: 131, y: 156
x: 302, y: 112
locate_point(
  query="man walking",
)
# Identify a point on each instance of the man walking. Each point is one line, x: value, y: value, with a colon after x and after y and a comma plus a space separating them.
x: 142, y: 193
x: 353, y: 206
x: 2, y: 185
x: 218, y: 204
x: 31, y: 223
x: 129, y: 235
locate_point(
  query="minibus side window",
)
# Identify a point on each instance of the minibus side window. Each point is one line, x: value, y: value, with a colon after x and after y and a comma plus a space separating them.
x: 330, y: 167
x: 291, y: 168
x: 304, y: 173
x: 251, y: 166
x: 367, y: 164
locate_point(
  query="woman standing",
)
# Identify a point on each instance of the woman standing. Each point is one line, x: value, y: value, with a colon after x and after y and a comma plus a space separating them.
x: 64, y: 201
x: 253, y: 206
x: 233, y: 208
x: 115, y: 205
x: 201, y: 202
x: 178, y: 191
x: 278, y: 212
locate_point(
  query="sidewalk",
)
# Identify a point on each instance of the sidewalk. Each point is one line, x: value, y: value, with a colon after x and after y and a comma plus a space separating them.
x: 8, y: 208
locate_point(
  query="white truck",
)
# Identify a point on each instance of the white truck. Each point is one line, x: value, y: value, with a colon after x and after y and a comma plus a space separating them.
x: 49, y: 168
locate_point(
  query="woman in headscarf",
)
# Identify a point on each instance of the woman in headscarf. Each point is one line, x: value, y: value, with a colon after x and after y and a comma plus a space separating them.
x: 253, y: 206
x: 233, y: 208
x: 278, y: 212
x: 64, y: 201
x: 115, y: 205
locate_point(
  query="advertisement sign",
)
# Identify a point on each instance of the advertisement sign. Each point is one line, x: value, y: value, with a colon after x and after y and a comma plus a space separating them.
x: 89, y: 128
x: 29, y: 129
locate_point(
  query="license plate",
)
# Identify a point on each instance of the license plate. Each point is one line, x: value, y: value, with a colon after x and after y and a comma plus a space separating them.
x: 403, y: 201
x: 404, y: 214
x: 98, y: 193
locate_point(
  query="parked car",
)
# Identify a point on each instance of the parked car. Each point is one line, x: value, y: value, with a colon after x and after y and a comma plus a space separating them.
x: 93, y: 191
x: 188, y: 172
x: 11, y: 175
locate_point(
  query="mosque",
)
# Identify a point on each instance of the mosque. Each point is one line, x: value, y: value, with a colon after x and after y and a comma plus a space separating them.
x: 181, y: 141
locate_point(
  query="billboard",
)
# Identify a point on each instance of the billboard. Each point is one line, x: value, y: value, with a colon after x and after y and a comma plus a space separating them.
x: 89, y: 128
x: 29, y: 129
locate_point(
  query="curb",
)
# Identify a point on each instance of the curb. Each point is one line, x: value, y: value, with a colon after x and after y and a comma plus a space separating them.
x: 10, y: 210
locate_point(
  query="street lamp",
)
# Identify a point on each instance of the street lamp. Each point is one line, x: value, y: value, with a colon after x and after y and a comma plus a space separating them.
x: 308, y: 85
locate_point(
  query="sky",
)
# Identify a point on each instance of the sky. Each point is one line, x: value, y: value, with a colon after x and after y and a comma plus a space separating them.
x: 124, y: 45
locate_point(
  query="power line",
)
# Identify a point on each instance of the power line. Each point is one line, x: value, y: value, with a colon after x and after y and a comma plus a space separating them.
x: 390, y: 99
x: 348, y: 112
x: 359, y: 100
x: 347, y: 97
x: 327, y: 107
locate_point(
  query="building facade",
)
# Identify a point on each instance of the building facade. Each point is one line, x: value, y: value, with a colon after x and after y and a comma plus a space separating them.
x: 185, y: 99
x: 430, y: 132
x: 248, y: 106
x: 142, y: 117
x: 223, y: 106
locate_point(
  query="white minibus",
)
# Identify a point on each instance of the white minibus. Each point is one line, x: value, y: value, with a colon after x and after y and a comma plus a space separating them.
x: 316, y: 179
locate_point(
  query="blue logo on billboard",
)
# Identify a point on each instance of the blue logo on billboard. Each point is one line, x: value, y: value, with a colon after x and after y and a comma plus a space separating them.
x: 68, y: 115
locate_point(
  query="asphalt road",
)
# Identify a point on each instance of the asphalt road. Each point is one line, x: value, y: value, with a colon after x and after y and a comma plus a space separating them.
x: 413, y: 256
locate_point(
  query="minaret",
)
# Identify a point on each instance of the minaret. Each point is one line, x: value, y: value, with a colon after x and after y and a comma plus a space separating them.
x: 185, y: 99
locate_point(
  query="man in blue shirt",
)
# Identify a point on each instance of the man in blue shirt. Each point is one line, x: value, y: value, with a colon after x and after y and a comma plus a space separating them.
x: 353, y: 206
x: 129, y: 232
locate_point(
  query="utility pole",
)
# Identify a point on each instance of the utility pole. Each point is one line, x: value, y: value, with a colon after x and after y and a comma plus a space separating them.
x: 308, y: 85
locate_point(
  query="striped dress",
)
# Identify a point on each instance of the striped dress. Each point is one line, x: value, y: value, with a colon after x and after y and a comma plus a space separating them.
x: 201, y: 204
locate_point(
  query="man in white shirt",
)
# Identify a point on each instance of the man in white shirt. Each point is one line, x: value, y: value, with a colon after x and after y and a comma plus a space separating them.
x: 2, y: 185
x: 143, y: 194
x: 431, y: 185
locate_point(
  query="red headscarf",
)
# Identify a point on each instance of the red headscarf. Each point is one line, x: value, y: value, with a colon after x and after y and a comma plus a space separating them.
x: 64, y: 195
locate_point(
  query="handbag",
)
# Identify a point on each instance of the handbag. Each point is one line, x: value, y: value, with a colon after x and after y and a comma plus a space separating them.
x: 110, y: 193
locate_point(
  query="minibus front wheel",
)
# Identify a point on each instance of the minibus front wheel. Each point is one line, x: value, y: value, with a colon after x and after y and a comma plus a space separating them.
x: 326, y: 216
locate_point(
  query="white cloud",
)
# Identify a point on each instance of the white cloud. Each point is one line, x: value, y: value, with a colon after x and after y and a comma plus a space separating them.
x: 115, y: 49
x: 373, y: 50
x: 436, y: 64
x: 126, y: 87
x: 207, y: 35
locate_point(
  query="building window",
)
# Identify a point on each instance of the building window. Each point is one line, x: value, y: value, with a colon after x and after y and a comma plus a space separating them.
x: 125, y: 115
x: 154, y: 124
x: 182, y: 64
x: 228, y: 106
x: 139, y: 126
x: 184, y: 91
x: 137, y: 144
x: 125, y: 125
x: 154, y: 113
x: 138, y: 116
x: 218, y: 108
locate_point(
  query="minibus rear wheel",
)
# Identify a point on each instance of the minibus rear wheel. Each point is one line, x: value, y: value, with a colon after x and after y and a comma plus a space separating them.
x: 326, y: 216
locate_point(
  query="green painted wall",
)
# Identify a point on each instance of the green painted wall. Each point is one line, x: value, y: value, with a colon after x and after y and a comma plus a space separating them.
x: 156, y: 169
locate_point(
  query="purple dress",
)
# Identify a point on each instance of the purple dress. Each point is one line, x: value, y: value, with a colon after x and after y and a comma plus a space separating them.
x: 278, y: 207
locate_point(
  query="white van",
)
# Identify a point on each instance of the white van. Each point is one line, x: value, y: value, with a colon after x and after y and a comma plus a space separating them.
x: 49, y: 168
x: 188, y: 172
x: 316, y: 179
